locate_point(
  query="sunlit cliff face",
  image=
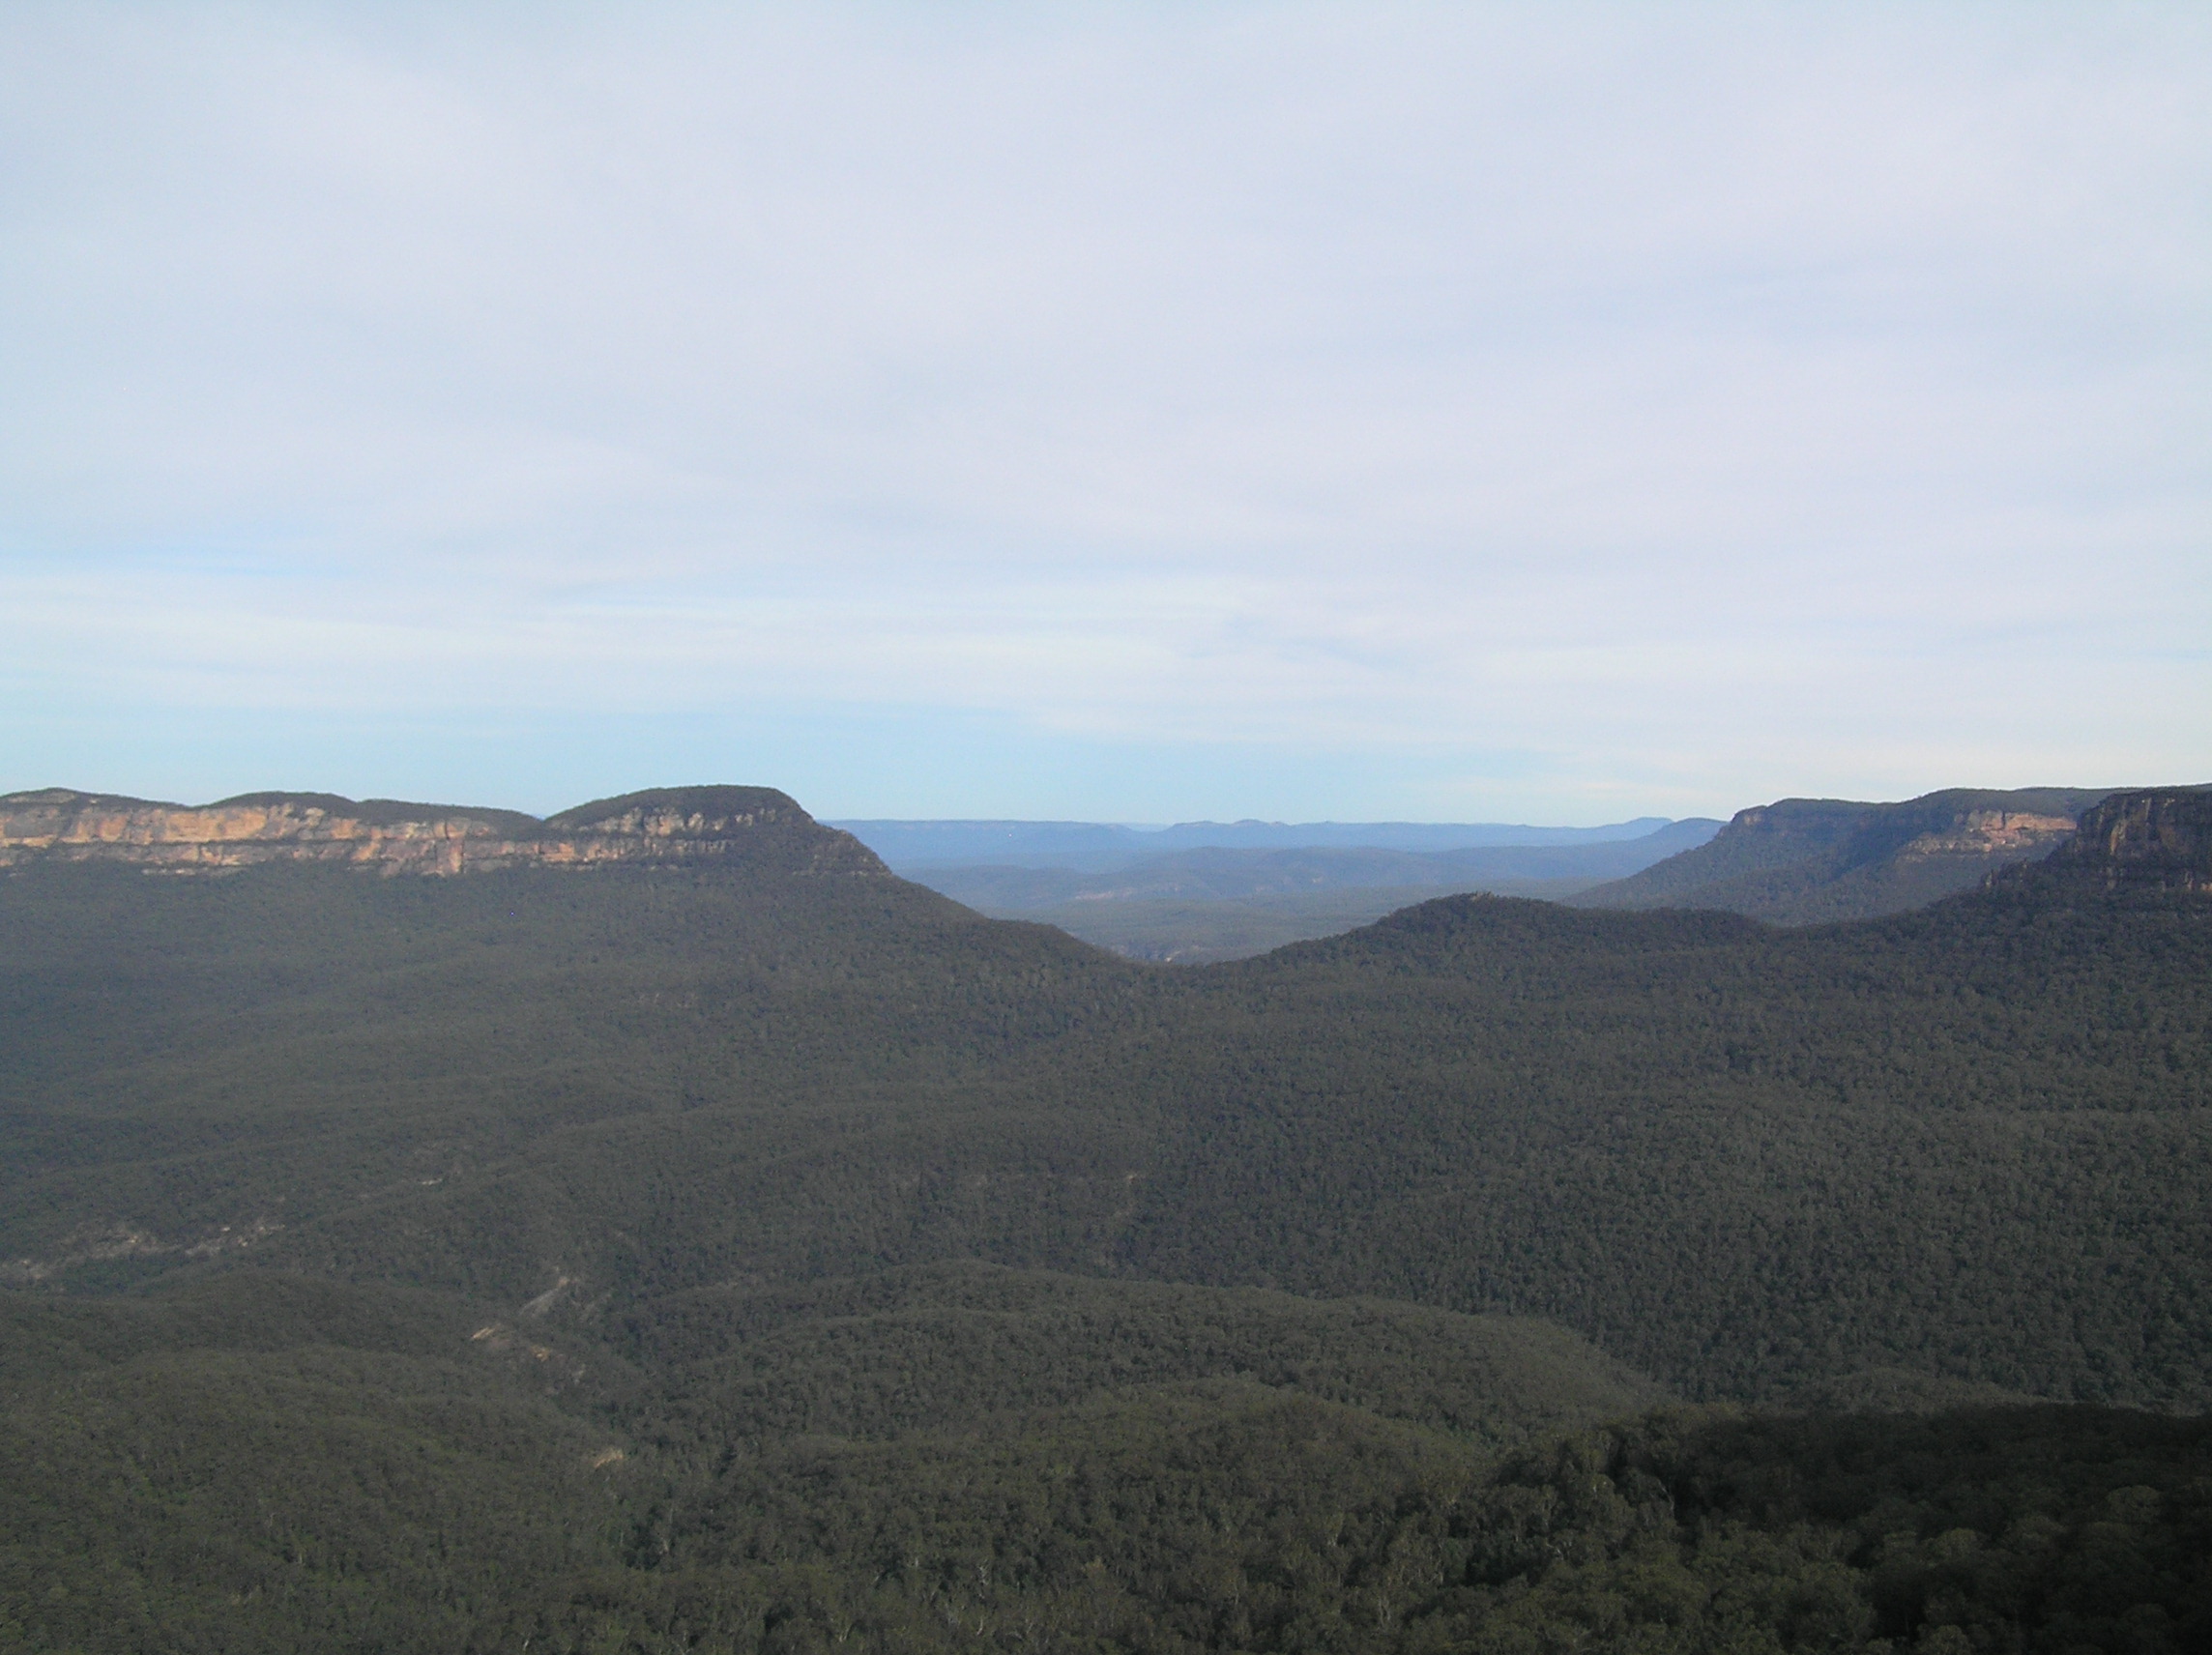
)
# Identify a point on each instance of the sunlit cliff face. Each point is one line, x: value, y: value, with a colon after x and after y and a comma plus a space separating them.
x: 704, y: 824
x: 2160, y: 837
x: 1992, y: 833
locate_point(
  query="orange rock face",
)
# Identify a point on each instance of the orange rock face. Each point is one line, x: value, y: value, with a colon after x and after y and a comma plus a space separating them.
x: 673, y: 827
x: 1992, y: 833
x: 2158, y: 838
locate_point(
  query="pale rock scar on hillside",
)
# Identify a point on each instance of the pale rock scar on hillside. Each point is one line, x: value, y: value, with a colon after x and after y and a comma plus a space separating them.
x: 1989, y: 832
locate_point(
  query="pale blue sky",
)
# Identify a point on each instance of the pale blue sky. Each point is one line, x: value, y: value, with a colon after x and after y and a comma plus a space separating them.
x: 1544, y: 413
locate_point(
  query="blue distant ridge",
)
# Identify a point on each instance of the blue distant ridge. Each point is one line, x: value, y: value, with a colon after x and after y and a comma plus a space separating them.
x: 1093, y: 845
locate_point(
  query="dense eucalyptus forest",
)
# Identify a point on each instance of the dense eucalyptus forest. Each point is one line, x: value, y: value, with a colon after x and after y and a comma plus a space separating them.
x: 771, y: 1254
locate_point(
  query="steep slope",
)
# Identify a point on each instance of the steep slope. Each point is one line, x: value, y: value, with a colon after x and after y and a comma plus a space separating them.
x: 2154, y: 840
x: 192, y: 1070
x: 1739, y: 1160
x: 1968, y: 1142
x: 1803, y: 861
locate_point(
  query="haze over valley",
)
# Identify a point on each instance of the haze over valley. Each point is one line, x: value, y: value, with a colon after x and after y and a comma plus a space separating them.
x: 1202, y: 891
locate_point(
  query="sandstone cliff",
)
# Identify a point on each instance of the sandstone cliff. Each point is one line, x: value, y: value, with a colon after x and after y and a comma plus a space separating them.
x: 2156, y: 839
x: 670, y: 826
x: 1803, y: 860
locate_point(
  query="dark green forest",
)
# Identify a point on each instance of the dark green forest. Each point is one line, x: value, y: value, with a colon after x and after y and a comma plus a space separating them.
x: 732, y: 1257
x: 264, y: 1463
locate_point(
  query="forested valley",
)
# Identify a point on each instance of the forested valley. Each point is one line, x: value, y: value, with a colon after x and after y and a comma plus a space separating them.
x: 751, y: 1257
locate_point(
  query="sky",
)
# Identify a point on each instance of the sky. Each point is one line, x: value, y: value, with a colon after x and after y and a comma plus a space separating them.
x: 1548, y: 413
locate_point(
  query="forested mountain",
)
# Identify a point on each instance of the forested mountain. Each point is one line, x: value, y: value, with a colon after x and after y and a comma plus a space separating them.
x: 1803, y: 861
x: 1963, y: 1140
x: 943, y: 1283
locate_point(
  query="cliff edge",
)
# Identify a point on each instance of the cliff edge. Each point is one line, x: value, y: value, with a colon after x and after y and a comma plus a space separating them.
x: 755, y: 825
x: 2151, y: 839
x: 1802, y: 861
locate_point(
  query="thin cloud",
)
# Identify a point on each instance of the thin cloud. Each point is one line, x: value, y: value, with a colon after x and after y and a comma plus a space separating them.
x: 1714, y: 401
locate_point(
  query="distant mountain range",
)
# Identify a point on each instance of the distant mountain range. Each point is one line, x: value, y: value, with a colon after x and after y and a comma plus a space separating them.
x: 1226, y: 874
x: 1227, y: 901
x: 1097, y: 846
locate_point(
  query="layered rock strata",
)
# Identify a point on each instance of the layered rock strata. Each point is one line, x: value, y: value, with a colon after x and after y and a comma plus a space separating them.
x: 2153, y: 839
x: 1806, y: 861
x: 672, y: 826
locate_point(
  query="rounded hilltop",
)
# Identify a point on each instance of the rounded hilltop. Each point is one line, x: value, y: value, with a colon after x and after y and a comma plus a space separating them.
x: 700, y: 810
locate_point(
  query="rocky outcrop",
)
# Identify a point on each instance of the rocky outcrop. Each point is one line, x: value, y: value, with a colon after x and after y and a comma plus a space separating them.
x: 1990, y: 833
x: 2154, y: 839
x: 672, y: 826
x: 1805, y: 860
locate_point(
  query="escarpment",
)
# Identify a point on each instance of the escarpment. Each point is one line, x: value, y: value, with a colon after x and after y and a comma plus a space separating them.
x: 2153, y: 839
x: 758, y: 826
x: 1806, y: 861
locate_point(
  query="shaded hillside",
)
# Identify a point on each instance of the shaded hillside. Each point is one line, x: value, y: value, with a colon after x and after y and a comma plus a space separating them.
x: 1803, y: 861
x: 199, y: 1070
x: 1231, y: 1519
x: 946, y: 1345
x: 1734, y: 1157
x: 1969, y: 1142
x: 718, y: 1256
x: 265, y: 1464
x: 268, y: 1462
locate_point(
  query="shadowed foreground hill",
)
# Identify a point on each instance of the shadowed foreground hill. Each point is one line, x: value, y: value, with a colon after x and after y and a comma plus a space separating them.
x: 264, y: 1462
x: 268, y: 1465
x: 755, y: 1251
